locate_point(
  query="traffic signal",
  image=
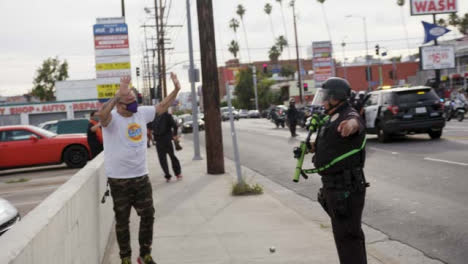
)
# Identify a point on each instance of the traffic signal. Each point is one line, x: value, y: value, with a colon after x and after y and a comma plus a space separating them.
x: 377, y: 49
x: 137, y: 71
x: 306, y: 87
x: 265, y: 68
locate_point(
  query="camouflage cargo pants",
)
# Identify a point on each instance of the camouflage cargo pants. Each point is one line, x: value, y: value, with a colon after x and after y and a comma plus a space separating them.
x: 136, y: 192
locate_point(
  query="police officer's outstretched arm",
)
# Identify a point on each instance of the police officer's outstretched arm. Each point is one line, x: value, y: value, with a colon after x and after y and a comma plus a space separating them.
x: 349, y: 127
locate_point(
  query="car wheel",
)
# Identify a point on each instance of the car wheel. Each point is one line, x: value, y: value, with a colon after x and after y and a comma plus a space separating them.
x: 382, y: 136
x: 435, y: 134
x: 75, y: 156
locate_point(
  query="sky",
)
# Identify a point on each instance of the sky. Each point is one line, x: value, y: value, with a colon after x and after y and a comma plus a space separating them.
x: 34, y: 30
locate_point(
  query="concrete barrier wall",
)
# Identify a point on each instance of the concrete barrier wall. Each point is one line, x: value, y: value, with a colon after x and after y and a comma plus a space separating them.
x: 70, y: 226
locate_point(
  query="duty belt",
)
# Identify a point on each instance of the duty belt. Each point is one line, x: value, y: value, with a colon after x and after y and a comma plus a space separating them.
x: 353, y: 180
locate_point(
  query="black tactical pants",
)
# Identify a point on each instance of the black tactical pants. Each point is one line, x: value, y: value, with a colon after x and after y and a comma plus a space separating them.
x: 136, y: 192
x: 345, y: 210
x: 292, y: 128
x: 164, y: 147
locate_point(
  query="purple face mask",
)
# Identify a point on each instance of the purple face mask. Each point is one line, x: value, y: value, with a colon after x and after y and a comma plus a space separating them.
x: 132, y: 107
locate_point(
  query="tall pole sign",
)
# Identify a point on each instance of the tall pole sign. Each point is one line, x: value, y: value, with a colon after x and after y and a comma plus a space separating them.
x: 112, y: 55
x: 433, y: 7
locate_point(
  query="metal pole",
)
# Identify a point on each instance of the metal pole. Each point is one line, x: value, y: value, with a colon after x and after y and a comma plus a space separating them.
x: 254, y: 76
x: 234, y: 137
x: 196, y: 142
x: 123, y: 8
x: 158, y: 47
x: 297, y: 54
x: 367, y: 55
x: 437, y: 72
x: 343, y: 44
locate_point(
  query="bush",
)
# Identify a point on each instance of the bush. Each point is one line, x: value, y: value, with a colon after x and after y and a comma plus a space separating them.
x: 243, y: 188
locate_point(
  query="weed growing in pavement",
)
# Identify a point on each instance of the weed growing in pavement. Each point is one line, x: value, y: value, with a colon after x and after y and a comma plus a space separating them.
x: 17, y: 181
x: 244, y: 188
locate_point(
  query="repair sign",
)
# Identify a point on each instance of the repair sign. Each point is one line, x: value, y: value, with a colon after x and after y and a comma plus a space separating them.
x: 429, y: 7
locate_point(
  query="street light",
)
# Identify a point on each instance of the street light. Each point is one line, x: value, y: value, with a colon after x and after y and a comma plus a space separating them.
x: 367, y: 47
x: 343, y: 44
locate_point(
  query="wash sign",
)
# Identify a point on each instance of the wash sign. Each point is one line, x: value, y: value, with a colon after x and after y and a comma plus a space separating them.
x: 429, y: 7
x: 112, y: 55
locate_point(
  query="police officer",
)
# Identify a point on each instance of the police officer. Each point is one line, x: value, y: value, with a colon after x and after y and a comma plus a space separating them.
x: 292, y: 115
x: 343, y: 192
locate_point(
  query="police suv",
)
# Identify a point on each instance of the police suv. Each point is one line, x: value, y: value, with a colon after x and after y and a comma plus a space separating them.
x: 404, y: 110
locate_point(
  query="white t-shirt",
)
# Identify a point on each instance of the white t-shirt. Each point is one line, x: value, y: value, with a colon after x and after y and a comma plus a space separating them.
x: 125, y: 144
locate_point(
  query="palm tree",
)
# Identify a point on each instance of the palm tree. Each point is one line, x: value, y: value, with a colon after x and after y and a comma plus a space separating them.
x: 234, y: 48
x: 268, y: 8
x: 241, y: 12
x: 274, y: 54
x: 284, y: 24
x: 281, y: 42
x: 401, y: 3
x: 325, y: 17
x: 234, y: 25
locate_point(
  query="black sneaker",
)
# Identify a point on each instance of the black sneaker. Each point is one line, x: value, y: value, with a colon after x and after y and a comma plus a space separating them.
x: 146, y: 260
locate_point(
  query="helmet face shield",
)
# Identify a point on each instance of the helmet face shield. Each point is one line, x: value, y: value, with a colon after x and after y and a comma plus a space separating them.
x: 321, y: 96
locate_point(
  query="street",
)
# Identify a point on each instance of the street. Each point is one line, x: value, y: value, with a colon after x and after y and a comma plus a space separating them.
x: 38, y: 183
x: 418, y: 192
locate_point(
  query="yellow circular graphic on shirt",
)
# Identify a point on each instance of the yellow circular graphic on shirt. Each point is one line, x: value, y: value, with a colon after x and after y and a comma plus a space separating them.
x: 134, y: 132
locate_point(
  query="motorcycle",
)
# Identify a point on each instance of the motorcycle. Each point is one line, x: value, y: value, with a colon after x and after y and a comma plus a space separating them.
x: 278, y: 117
x: 455, y: 109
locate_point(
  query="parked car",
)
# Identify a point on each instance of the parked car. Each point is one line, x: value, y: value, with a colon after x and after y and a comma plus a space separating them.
x: 9, y: 216
x: 243, y: 113
x: 25, y: 145
x: 254, y: 114
x: 225, y: 113
x: 187, y: 124
x: 404, y: 110
x: 66, y: 126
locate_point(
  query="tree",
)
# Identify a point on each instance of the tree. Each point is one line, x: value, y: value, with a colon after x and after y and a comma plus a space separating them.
x: 274, y: 54
x: 284, y: 24
x: 281, y: 42
x: 234, y: 48
x: 287, y: 71
x: 234, y: 24
x: 244, y: 89
x: 241, y: 13
x: 266, y: 97
x: 459, y: 22
x: 51, y: 71
x: 268, y: 8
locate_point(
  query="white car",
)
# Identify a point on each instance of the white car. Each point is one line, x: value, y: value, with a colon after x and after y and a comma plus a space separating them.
x: 9, y: 215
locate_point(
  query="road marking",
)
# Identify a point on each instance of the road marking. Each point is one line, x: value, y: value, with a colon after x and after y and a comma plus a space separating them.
x: 383, y: 150
x: 447, y: 161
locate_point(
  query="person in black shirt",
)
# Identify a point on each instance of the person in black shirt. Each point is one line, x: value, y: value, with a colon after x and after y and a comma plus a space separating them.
x: 164, y: 131
x: 292, y: 115
x: 94, y: 134
x: 340, y: 155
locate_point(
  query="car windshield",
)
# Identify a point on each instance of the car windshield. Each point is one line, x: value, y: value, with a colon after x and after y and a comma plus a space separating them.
x: 42, y: 132
x: 413, y: 96
x: 187, y: 118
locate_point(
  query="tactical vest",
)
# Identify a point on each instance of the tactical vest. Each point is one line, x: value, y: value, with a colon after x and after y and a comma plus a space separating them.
x: 330, y: 144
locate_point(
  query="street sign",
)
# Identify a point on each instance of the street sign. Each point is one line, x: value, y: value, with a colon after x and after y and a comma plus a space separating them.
x: 429, y: 7
x: 322, y: 61
x: 112, y: 55
x: 437, y: 57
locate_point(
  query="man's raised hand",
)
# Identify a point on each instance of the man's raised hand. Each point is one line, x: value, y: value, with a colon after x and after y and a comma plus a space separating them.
x: 175, y: 81
x: 124, y: 92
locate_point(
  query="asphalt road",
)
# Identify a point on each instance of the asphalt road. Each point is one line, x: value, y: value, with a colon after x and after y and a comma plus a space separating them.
x: 39, y: 183
x: 418, y: 192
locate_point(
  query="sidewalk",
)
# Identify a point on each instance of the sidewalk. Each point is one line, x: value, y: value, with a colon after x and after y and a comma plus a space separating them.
x: 199, y: 222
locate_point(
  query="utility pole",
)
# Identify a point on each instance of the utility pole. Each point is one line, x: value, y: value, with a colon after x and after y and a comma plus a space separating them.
x: 148, y: 68
x: 196, y: 142
x: 343, y: 44
x: 158, y: 47
x: 254, y: 77
x: 437, y: 71
x: 123, y: 8
x: 299, y: 77
x: 163, y: 51
x: 214, y: 135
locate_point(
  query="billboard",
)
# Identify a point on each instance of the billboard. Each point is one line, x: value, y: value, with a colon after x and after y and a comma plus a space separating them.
x: 429, y: 7
x: 437, y: 57
x: 112, y: 55
x: 322, y: 61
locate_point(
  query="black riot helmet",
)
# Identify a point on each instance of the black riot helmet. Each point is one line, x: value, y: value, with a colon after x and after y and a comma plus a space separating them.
x: 336, y: 88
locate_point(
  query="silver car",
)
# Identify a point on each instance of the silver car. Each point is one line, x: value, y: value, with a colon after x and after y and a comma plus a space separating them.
x: 9, y: 215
